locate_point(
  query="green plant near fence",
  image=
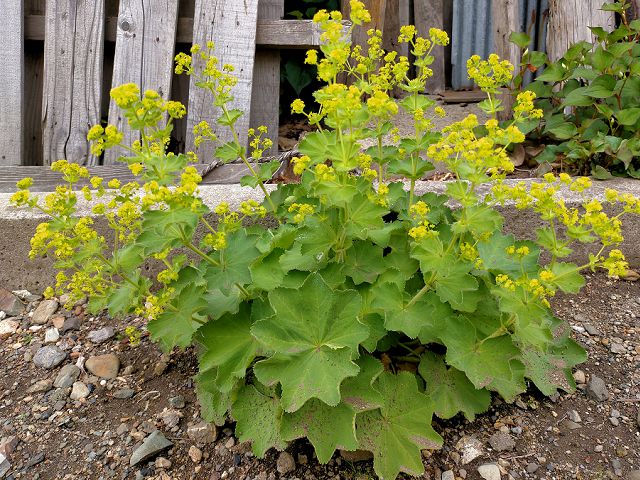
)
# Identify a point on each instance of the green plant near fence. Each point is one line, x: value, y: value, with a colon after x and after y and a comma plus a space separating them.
x: 346, y: 308
x: 591, y: 101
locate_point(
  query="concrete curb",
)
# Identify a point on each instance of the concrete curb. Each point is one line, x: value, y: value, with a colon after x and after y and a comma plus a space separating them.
x: 18, y: 224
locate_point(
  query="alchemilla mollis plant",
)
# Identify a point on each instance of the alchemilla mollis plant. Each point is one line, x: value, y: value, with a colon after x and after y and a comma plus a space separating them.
x: 364, y: 308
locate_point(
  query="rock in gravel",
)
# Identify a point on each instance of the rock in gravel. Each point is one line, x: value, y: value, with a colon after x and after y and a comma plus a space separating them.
x: 79, y: 391
x: 8, y: 327
x: 580, y: 377
x: 51, y: 335
x: 44, y: 311
x: 66, y: 376
x: 532, y: 467
x: 202, y: 433
x: 448, y: 475
x: 102, y: 335
x: 40, y: 386
x: 470, y: 448
x: 634, y: 475
x: 162, y: 462
x: 567, y: 424
x: 10, y: 303
x: 285, y: 463
x: 195, y: 454
x: 489, y: 471
x: 502, y: 442
x: 574, y: 416
x: 124, y: 393
x: 618, y: 348
x: 48, y: 357
x: 597, y: 389
x: 5, y: 466
x: 71, y: 323
x: 170, y: 417
x: 591, y: 330
x: 356, y: 455
x: 104, y: 366
x: 152, y: 445
x: 177, y: 402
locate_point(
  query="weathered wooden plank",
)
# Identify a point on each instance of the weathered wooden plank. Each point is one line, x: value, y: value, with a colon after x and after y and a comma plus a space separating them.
x: 506, y: 20
x: 430, y: 14
x: 291, y: 34
x: 569, y: 22
x: 266, y: 80
x: 144, y: 55
x: 45, y: 180
x: 231, y: 25
x: 377, y: 9
x: 12, y: 81
x: 72, y: 78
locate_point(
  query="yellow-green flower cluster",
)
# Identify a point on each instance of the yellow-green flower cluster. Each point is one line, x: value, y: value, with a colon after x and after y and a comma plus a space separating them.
x: 525, y: 108
x: 423, y: 229
x: 301, y: 210
x: 490, y: 74
x: 217, y: 241
x: 324, y: 173
x: 258, y: 142
x: 300, y: 164
x: 251, y: 208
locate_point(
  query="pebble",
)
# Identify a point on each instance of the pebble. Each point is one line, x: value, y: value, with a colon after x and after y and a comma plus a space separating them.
x: 71, y: 323
x: 152, y: 445
x: 58, y: 321
x: 102, y: 335
x: 470, y: 447
x: 51, y: 335
x: 66, y: 376
x: 614, y: 421
x: 580, y: 377
x: 45, y: 310
x: 124, y: 393
x: 5, y: 465
x: 597, y: 389
x: 162, y: 462
x: 177, y: 401
x: 202, y: 433
x: 10, y: 304
x: 40, y: 386
x: 448, y: 475
x: 195, y: 454
x: 502, y: 442
x: 103, y: 366
x: 49, y: 357
x: 634, y: 475
x: 8, y: 327
x: 567, y: 424
x: 79, y: 391
x: 618, y: 348
x: 489, y: 471
x: 532, y: 467
x: 285, y: 463
x: 574, y: 416
x: 591, y: 330
x: 170, y: 417
x: 598, y: 448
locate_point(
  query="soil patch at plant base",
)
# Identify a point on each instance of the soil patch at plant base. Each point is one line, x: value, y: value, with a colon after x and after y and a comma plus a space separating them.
x: 593, y: 433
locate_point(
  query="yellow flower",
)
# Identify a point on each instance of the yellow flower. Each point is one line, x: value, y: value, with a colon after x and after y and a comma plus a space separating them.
x: 312, y: 57
x: 136, y: 168
x: 125, y: 95
x: 24, y: 183
x: 297, y: 106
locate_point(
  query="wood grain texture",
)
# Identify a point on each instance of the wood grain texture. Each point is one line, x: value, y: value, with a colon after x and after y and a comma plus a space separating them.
x: 231, y: 25
x: 569, y: 21
x: 377, y: 9
x: 12, y: 81
x: 72, y: 78
x: 265, y: 94
x: 32, y: 136
x: 505, y: 16
x: 430, y: 14
x: 145, y: 42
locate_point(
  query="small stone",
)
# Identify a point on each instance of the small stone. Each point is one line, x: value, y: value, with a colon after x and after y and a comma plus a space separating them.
x: 102, y: 335
x: 8, y: 327
x: 195, y: 454
x: 202, y: 433
x: 170, y: 417
x: 152, y: 445
x: 489, y: 471
x: 634, y: 475
x: 617, y: 348
x: 51, y: 335
x: 35, y: 460
x: 58, y: 321
x: 580, y: 377
x: 71, y: 323
x: 124, y: 393
x: 597, y: 389
x: 44, y: 312
x: 591, y: 330
x: 614, y: 413
x: 356, y: 455
x: 302, y: 459
x: 448, y: 475
x: 79, y: 391
x: 26, y: 296
x: 285, y: 463
x: 502, y: 442
x: 162, y: 462
x: 40, y: 386
x: 574, y: 416
x: 103, y: 366
x: 470, y: 447
x: 66, y: 376
x: 8, y: 446
x: 614, y: 421
x: 49, y: 357
x: 177, y: 401
x: 532, y: 467
x: 10, y: 303
x: 598, y: 448
x: 567, y: 424
x: 5, y: 465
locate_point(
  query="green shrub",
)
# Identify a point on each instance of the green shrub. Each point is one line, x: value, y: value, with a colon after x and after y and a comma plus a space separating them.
x: 591, y: 101
x: 366, y: 308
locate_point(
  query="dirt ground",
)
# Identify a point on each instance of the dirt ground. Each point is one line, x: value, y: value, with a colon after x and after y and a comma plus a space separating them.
x: 44, y: 434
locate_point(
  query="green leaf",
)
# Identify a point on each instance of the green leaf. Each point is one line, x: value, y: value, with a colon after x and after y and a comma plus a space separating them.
x: 213, y: 403
x: 450, y: 389
x: 298, y: 75
x: 601, y: 59
x: 231, y: 118
x: 521, y: 39
x: 491, y: 363
x: 234, y: 261
x: 314, y: 333
x: 427, y: 312
x: 601, y: 87
x: 358, y: 391
x: 176, y: 328
x: 553, y: 73
x: 327, y: 428
x: 125, y: 296
x: 629, y: 116
x: 567, y: 277
x: 315, y: 145
x: 364, y: 215
x: 495, y: 258
x: 364, y: 262
x: 479, y: 220
x: 455, y: 285
x: 600, y: 173
x: 267, y: 274
x: 564, y: 131
x: 230, y: 347
x: 259, y: 420
x: 228, y: 152
x: 400, y: 429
